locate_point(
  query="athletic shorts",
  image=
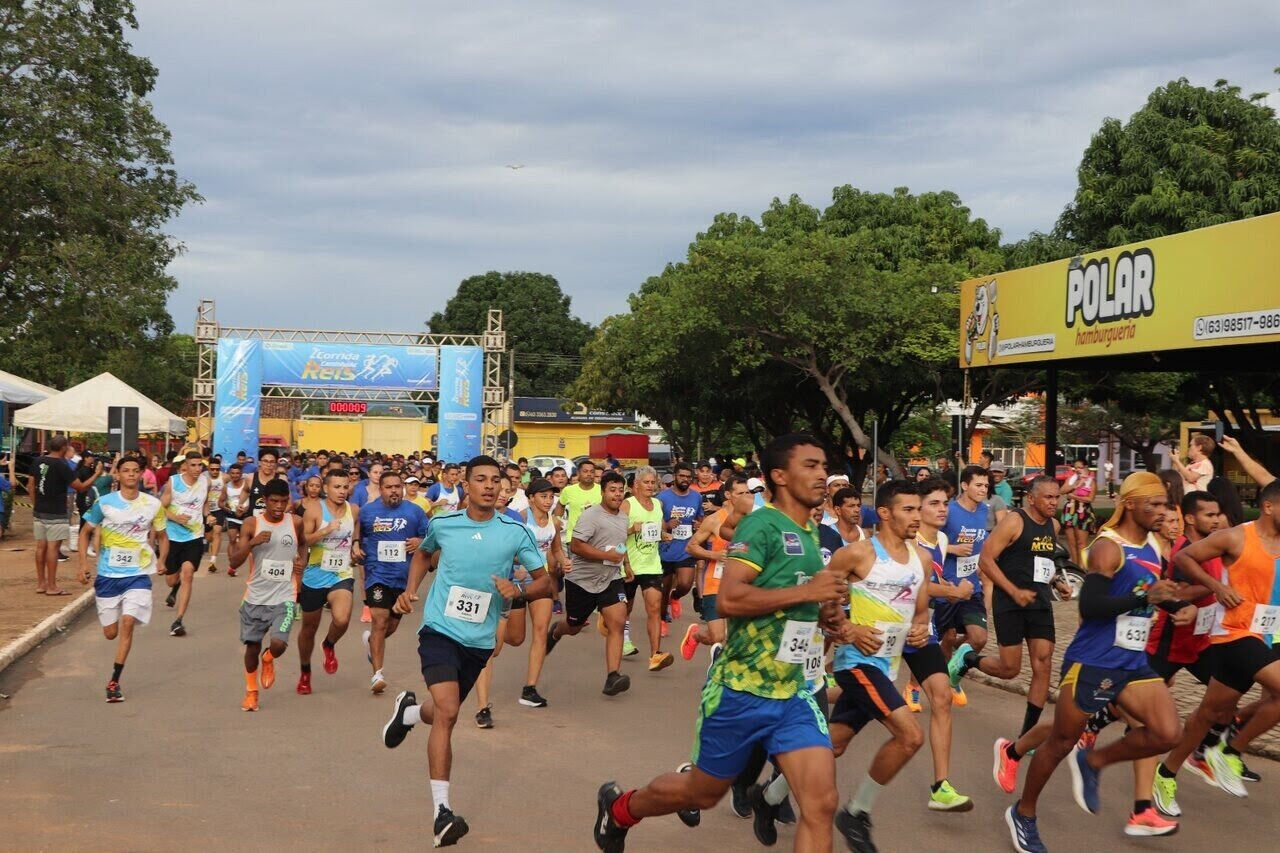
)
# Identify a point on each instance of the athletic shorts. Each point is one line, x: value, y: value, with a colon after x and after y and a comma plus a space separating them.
x: 134, y: 602
x: 669, y: 567
x: 642, y: 582
x: 383, y: 597
x: 1235, y: 664
x: 866, y: 694
x: 235, y: 521
x: 580, y: 604
x: 1015, y: 626
x: 925, y: 662
x: 1096, y: 687
x: 731, y: 724
x: 957, y: 615
x: 1201, y: 669
x: 191, y: 551
x: 257, y: 620
x: 46, y: 530
x: 709, y: 611
x: 445, y: 659
x: 219, y: 520
x: 311, y: 599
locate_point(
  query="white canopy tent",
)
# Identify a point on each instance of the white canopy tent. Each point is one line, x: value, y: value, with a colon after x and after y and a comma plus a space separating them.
x: 83, y: 408
x: 22, y: 392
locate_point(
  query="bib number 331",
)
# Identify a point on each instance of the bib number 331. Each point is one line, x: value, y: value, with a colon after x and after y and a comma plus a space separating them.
x: 468, y: 605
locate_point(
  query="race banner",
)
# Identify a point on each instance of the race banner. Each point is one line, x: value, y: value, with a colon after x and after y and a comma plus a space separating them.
x: 349, y: 366
x: 460, y: 418
x: 237, y: 398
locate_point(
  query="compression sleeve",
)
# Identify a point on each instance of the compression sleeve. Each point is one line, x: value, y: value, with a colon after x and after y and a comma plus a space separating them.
x: 1097, y: 602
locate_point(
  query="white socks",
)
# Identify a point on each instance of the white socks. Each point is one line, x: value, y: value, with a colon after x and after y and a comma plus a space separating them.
x: 776, y: 791
x: 413, y: 716
x: 626, y: 631
x: 865, y: 798
x: 439, y: 796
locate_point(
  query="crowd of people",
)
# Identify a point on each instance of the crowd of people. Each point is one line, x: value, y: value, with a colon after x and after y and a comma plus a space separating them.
x: 808, y: 601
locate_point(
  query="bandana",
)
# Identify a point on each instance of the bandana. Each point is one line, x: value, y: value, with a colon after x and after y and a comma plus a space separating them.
x: 1139, y: 484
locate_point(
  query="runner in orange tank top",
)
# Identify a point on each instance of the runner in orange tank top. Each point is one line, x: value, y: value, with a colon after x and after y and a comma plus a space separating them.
x: 710, y: 544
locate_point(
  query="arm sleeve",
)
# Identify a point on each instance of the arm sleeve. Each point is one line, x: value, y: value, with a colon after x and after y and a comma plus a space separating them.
x: 1097, y: 602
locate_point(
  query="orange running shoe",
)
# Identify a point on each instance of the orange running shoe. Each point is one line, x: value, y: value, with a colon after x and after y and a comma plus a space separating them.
x: 689, y: 645
x: 268, y: 670
x: 913, y: 698
x: 958, y: 697
x: 250, y: 702
x: 330, y: 659
x: 676, y: 609
x: 1005, y: 769
x: 664, y: 630
x: 1149, y: 823
x: 365, y: 615
x: 661, y: 660
x: 304, y: 684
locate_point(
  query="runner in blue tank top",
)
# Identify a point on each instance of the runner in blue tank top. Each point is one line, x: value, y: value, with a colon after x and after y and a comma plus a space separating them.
x: 966, y: 531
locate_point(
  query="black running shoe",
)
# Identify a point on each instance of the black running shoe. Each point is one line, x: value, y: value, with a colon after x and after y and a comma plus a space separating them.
x: 616, y: 683
x: 393, y: 733
x: 738, y: 800
x: 172, y: 598
x: 609, y: 837
x: 530, y: 698
x: 552, y: 639
x: 786, y: 814
x: 763, y: 818
x: 689, y: 817
x: 177, y: 629
x: 1249, y: 775
x: 448, y: 828
x: 856, y: 829
x: 113, y: 692
x: 484, y: 717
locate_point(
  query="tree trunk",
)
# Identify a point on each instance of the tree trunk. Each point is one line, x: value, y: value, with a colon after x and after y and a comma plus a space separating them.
x: 841, y: 408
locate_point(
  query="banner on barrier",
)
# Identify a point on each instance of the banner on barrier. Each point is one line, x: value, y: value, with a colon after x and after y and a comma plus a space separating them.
x: 349, y: 366
x: 461, y: 417
x: 237, y: 398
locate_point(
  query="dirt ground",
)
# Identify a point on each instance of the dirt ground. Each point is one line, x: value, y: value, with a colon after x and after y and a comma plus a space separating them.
x: 20, y: 607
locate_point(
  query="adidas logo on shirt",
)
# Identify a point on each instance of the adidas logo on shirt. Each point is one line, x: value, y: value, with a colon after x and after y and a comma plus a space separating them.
x: 478, y: 536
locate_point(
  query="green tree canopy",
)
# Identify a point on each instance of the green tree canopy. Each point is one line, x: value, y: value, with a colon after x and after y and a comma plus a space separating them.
x: 545, y: 337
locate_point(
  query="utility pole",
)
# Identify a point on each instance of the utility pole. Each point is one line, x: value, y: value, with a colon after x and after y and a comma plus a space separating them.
x: 511, y: 396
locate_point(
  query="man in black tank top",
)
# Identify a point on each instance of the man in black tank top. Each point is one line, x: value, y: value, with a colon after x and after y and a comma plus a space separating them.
x: 1018, y: 561
x: 265, y: 474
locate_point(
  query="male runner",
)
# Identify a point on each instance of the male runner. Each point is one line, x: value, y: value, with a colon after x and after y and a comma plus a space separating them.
x: 265, y: 473
x: 332, y: 532
x: 681, y: 511
x: 131, y: 543
x: 709, y: 487
x: 1107, y: 663
x: 710, y: 544
x: 215, y: 516
x: 274, y: 546
x: 847, y: 505
x: 966, y: 532
x: 576, y: 497
x: 184, y: 497
x: 594, y: 581
x: 644, y: 535
x: 234, y: 501
x: 546, y: 531
x: 446, y: 495
x: 391, y: 531
x: 477, y: 548
x: 770, y: 591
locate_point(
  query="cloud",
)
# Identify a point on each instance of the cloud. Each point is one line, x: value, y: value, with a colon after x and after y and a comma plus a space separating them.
x: 353, y: 157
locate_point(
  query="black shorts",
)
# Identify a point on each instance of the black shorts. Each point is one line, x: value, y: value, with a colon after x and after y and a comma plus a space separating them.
x: 219, y: 520
x: 1095, y: 687
x: 1235, y: 664
x: 383, y: 597
x: 1015, y: 626
x: 1201, y: 669
x: 925, y: 662
x: 311, y: 599
x: 445, y: 659
x: 233, y: 520
x: 580, y: 604
x: 642, y: 582
x: 866, y: 694
x: 183, y: 552
x: 956, y: 615
x: 669, y: 567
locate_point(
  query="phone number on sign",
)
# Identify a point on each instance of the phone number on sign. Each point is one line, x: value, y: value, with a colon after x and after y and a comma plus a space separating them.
x: 1239, y: 325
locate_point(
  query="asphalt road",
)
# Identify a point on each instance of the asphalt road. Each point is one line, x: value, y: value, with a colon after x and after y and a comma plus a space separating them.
x: 180, y: 766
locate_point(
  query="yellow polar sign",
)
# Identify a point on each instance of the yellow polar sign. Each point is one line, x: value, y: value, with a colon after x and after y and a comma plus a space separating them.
x: 1211, y: 287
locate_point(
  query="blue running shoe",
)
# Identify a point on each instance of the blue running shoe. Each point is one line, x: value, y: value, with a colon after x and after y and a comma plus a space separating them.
x: 1023, y: 832
x: 1084, y: 781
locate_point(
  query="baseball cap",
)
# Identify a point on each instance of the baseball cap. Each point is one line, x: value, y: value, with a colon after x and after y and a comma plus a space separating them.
x: 755, y: 484
x: 998, y: 466
x: 541, y: 484
x: 412, y: 479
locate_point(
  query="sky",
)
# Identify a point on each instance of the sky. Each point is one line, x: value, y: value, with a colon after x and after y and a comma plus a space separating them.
x: 354, y: 158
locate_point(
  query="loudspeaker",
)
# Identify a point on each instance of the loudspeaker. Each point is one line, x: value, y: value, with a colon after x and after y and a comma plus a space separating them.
x: 122, y: 428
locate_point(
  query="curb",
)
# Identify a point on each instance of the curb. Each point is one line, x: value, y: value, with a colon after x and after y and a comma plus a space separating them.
x: 1017, y: 687
x: 14, y: 651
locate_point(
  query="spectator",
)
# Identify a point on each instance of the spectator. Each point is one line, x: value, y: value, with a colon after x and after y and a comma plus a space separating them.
x: 1228, y: 498
x: 148, y: 483
x: 1173, y: 488
x: 1199, y: 469
x: 50, y: 524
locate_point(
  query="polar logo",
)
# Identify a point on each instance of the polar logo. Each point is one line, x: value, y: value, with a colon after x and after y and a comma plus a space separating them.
x: 1099, y: 296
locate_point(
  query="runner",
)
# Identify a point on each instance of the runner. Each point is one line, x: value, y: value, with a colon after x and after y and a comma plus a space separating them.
x: 847, y: 506
x: 546, y: 531
x: 332, y: 533
x: 594, y: 580
x: 312, y: 495
x: 644, y: 535
x: 755, y: 692
x: 273, y: 544
x: 265, y: 473
x: 127, y: 530
x: 576, y: 497
x: 234, y: 501
x: 413, y: 494
x: 681, y: 511
x: 184, y: 497
x: 215, y: 516
x: 1107, y: 663
x: 739, y: 503
x: 367, y: 490
x: 477, y: 548
x: 484, y: 712
x: 966, y: 532
x: 446, y: 495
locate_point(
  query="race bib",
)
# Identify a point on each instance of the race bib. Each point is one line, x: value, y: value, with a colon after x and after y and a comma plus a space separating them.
x: 682, y: 531
x: 1132, y: 632
x: 124, y: 558
x: 468, y: 605
x: 1205, y: 617
x: 813, y: 669
x: 718, y: 572
x: 650, y: 531
x: 334, y: 561
x: 1266, y: 618
x: 277, y: 570
x: 391, y: 552
x: 1043, y: 570
x: 966, y: 566
x: 796, y: 637
x: 893, y: 637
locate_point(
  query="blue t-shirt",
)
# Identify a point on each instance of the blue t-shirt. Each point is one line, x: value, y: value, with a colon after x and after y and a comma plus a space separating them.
x: 1098, y: 642
x: 464, y: 602
x: 962, y: 528
x: 686, y: 509
x: 360, y: 494
x: 381, y: 524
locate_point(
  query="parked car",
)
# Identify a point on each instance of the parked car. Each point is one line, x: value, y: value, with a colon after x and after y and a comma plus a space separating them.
x: 545, y: 463
x: 1019, y: 484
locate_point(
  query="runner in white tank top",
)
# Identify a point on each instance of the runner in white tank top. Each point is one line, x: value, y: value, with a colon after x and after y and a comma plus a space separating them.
x: 546, y: 530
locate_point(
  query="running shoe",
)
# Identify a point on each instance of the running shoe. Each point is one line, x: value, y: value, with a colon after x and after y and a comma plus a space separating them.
x: 177, y: 629
x: 213, y: 567
x: 1087, y: 739
x: 1197, y: 766
x: 172, y: 598
x: 368, y: 650
x: 616, y: 683
x: 530, y: 698
x: 1023, y: 832
x: 552, y: 639
x: 856, y: 829
x: 448, y: 828
x: 689, y: 817
x: 1084, y: 781
x: 557, y: 609
x: 330, y: 659
x: 393, y: 733
x: 676, y: 609
x: 629, y: 648
x: 948, y: 799
x: 664, y: 629
x: 739, y: 801
x: 231, y: 572
x: 378, y: 683
x: 304, y: 684
x: 660, y: 661
x: 1005, y: 769
x: 1228, y: 769
x: 1164, y: 793
x: 113, y: 692
x: 913, y: 699
x: 484, y: 717
x: 689, y: 645
x: 250, y: 702
x: 365, y: 616
x: 786, y: 814
x: 958, y: 697
x: 955, y: 667
x: 609, y: 837
x: 763, y: 816
x: 268, y: 674
x: 1248, y: 775
x: 1149, y: 823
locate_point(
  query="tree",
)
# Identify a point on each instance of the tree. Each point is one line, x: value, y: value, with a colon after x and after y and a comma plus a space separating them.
x: 88, y: 184
x: 544, y: 336
x: 160, y: 367
x: 1138, y: 410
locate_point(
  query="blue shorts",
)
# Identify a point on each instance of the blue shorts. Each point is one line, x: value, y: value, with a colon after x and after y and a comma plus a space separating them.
x: 732, y: 723
x: 709, y: 613
x: 1095, y: 687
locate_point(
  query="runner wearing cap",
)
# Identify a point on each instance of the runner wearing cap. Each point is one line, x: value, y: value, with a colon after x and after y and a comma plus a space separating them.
x: 756, y: 487
x: 413, y: 494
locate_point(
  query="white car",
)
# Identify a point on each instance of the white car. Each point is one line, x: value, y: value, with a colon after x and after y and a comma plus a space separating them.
x: 546, y: 463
